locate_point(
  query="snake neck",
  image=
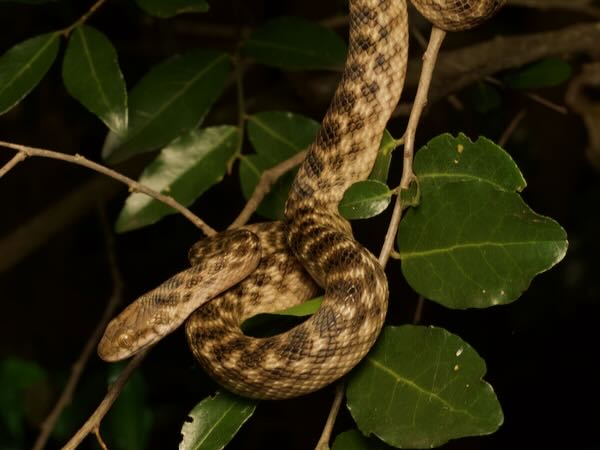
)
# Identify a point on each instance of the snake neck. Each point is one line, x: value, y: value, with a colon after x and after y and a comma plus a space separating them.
x: 347, y: 143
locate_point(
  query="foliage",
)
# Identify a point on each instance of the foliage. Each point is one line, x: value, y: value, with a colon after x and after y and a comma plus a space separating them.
x: 468, y: 240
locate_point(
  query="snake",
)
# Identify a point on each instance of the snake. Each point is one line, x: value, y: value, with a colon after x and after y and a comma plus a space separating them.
x: 271, y: 266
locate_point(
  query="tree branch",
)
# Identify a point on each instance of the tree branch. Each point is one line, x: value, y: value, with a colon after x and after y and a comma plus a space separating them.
x: 134, y: 186
x: 459, y: 68
x: 429, y: 63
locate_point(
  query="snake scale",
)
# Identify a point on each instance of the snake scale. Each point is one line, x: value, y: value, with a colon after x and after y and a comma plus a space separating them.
x: 272, y: 266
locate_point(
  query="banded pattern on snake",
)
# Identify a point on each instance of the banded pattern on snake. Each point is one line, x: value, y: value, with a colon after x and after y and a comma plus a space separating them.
x: 272, y: 266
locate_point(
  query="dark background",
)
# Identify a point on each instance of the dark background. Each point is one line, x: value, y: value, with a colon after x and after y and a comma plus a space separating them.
x: 541, y: 351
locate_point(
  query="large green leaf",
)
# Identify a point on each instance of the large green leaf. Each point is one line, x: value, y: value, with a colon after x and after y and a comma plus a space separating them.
x: 215, y: 421
x: 130, y: 419
x: 170, y: 100
x: 184, y: 170
x: 92, y: 75
x: 472, y: 241
x: 275, y: 136
x: 296, y: 44
x: 164, y: 9
x: 23, y: 66
x: 420, y: 387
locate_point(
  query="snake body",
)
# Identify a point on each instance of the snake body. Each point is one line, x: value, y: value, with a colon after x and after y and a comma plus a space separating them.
x: 281, y: 263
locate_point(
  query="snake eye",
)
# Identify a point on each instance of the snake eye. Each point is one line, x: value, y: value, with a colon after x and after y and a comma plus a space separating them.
x: 124, y: 341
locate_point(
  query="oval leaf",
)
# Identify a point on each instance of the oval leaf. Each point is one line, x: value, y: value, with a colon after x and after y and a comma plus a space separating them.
x: 365, y: 199
x: 170, y: 100
x: 447, y: 159
x: 419, y: 387
x: 296, y: 44
x: 92, y: 75
x: 160, y: 8
x: 545, y: 73
x: 469, y: 245
x: 23, y: 66
x: 184, y: 170
x: 215, y: 420
x: 275, y: 136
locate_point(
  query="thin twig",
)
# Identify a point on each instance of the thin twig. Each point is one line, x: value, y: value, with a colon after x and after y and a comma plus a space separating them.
x: 65, y: 32
x: 134, y: 186
x: 263, y: 187
x: 429, y: 60
x: 77, y: 369
x: 12, y: 163
x: 323, y: 443
x: 512, y: 126
x: 115, y: 389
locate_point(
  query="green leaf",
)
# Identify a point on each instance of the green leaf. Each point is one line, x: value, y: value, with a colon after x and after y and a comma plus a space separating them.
x: 296, y: 44
x: 469, y: 245
x: 419, y: 387
x: 92, y: 75
x: 215, y: 421
x: 130, y: 419
x: 275, y: 136
x: 164, y: 9
x: 547, y: 72
x: 381, y: 168
x: 365, y: 199
x: 184, y: 170
x: 354, y: 440
x: 472, y: 241
x: 17, y: 376
x: 23, y: 66
x: 448, y: 159
x: 172, y: 99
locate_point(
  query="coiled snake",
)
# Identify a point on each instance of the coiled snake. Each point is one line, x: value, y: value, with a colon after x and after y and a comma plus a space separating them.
x: 272, y: 266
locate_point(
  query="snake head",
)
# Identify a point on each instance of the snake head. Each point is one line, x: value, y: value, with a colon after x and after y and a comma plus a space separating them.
x: 135, y: 329
x: 121, y: 341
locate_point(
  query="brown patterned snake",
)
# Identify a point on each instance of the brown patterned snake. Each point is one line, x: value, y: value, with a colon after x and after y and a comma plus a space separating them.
x: 271, y: 266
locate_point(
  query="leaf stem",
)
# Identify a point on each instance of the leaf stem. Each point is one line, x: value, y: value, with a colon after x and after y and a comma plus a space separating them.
x: 429, y: 59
